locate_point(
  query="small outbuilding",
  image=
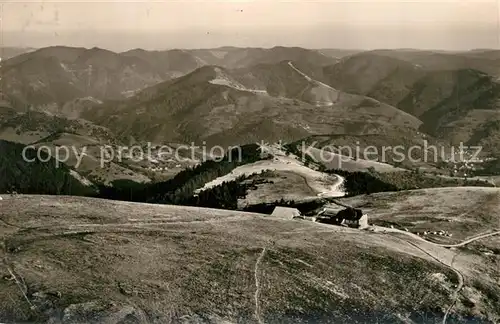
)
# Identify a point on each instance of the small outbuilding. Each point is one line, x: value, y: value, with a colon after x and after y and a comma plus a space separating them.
x: 358, y: 221
x: 285, y: 212
x: 363, y: 222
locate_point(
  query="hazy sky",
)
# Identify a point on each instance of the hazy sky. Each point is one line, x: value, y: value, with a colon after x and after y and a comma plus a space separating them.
x: 121, y: 25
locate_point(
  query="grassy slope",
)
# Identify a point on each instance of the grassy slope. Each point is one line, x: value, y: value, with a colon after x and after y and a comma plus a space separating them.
x: 277, y: 185
x: 99, y: 259
x: 463, y: 211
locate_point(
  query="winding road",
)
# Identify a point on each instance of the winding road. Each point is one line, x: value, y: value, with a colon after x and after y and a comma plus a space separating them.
x: 473, y: 239
x: 335, y: 190
x: 321, y: 87
x: 468, y: 241
x: 460, y: 275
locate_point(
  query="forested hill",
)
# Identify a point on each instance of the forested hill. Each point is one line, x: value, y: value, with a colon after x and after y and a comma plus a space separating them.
x: 181, y: 188
x: 37, y: 177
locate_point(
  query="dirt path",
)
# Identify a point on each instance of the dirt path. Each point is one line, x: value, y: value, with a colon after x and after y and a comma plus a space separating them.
x: 335, y: 189
x: 314, y: 179
x: 307, y: 183
x: 471, y: 240
x: 257, y: 287
x: 461, y: 278
x: 457, y: 291
x: 459, y: 274
x: 320, y: 89
x: 463, y: 243
x: 308, y: 78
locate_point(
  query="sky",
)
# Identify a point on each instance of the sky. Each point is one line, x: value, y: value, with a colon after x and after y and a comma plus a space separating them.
x: 368, y: 24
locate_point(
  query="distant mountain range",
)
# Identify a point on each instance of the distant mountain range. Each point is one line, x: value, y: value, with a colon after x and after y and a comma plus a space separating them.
x: 54, y: 75
x: 7, y: 52
x: 453, y: 102
x: 75, y: 259
x: 231, y: 95
x: 240, y: 106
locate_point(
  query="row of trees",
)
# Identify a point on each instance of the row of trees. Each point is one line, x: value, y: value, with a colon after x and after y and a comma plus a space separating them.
x: 223, y: 196
x: 36, y: 177
x: 39, y: 177
x: 359, y: 183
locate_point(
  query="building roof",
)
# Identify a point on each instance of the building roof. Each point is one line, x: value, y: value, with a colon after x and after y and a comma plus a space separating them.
x: 329, y: 211
x: 351, y: 214
x: 285, y: 212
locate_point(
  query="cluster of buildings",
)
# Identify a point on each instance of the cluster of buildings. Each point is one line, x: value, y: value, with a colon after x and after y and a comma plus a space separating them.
x: 441, y: 233
x: 350, y: 217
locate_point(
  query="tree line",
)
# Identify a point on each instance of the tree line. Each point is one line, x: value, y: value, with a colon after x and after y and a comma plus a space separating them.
x: 181, y: 188
x: 23, y: 177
